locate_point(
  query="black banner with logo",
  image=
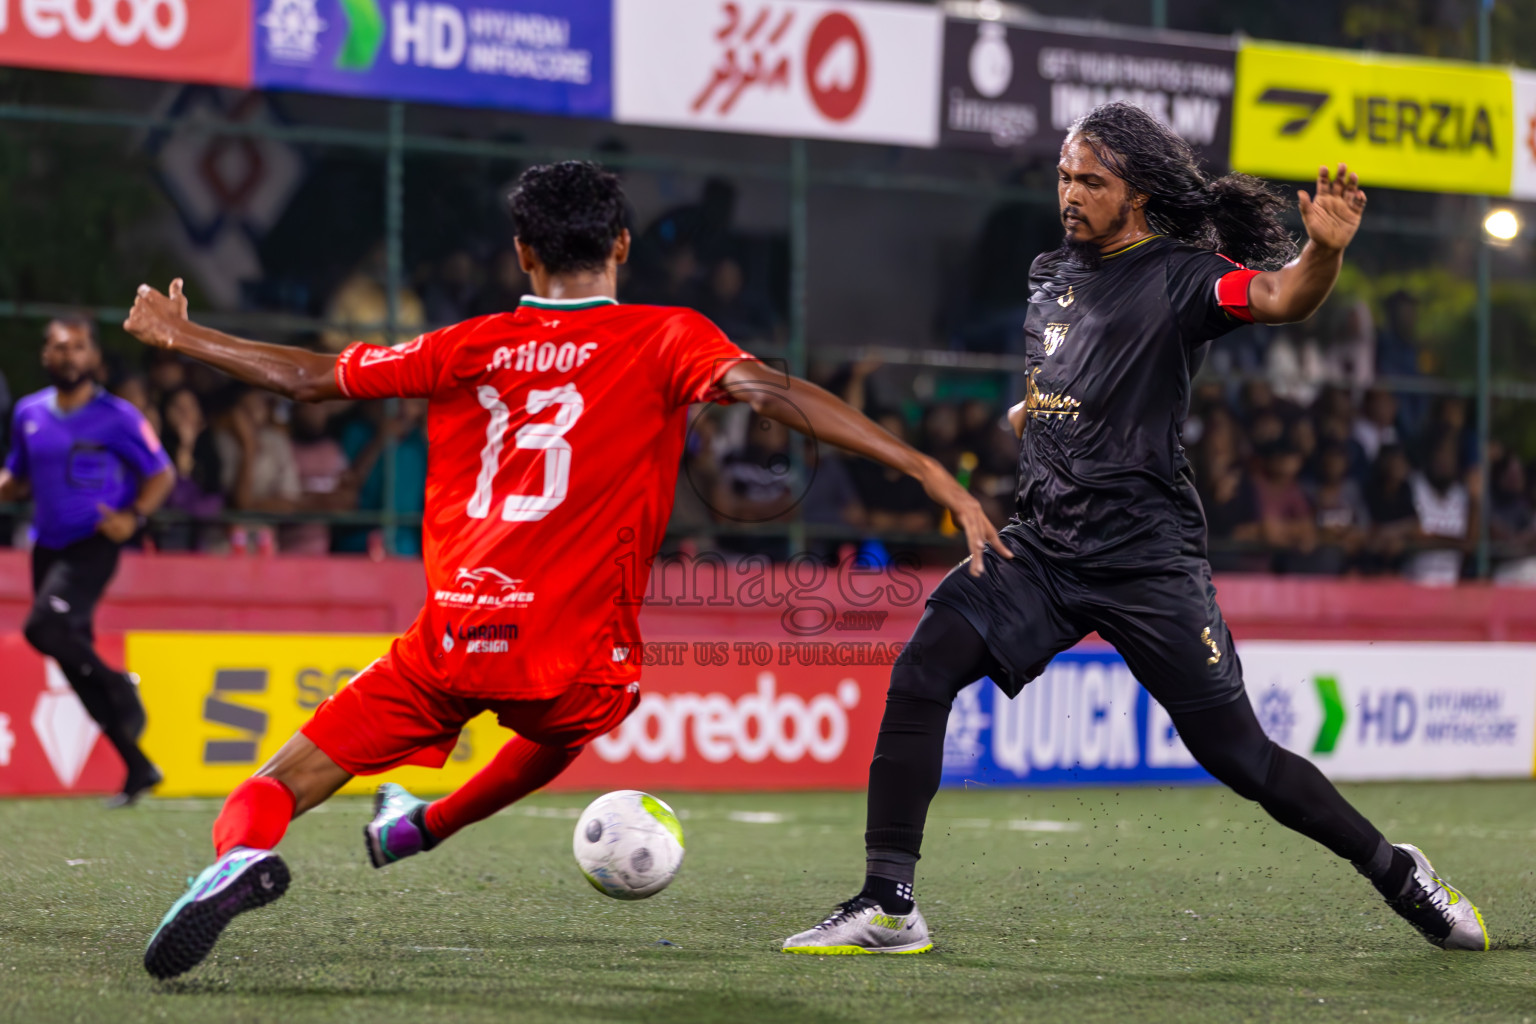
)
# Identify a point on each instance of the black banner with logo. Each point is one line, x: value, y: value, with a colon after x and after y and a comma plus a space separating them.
x: 1016, y: 89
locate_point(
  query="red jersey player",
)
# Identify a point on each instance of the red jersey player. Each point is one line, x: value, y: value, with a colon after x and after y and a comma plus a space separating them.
x: 555, y: 431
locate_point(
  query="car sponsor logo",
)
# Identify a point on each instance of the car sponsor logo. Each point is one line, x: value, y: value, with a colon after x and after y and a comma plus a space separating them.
x: 485, y: 587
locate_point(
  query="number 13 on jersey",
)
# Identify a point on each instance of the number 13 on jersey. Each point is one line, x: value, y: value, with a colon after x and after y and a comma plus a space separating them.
x: 548, y: 437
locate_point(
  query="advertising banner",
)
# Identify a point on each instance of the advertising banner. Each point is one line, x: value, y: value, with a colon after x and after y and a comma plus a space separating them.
x: 548, y: 56
x: 48, y: 743
x: 1399, y: 711
x: 1358, y: 711
x: 1019, y: 89
x: 1085, y: 721
x: 713, y: 715
x: 858, y: 71
x: 1523, y: 182
x: 170, y: 40
x: 1401, y: 122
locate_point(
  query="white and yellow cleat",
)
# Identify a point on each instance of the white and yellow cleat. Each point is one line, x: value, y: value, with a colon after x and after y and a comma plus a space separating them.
x: 861, y: 926
x: 1441, y: 913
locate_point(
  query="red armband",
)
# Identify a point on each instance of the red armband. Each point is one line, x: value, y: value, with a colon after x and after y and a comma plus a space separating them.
x: 1232, y: 293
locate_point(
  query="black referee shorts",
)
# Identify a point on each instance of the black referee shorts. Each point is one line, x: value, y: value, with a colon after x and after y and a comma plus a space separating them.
x: 1162, y: 619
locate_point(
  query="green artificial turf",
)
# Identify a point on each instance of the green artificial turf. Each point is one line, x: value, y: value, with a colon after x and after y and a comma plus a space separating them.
x: 1145, y: 905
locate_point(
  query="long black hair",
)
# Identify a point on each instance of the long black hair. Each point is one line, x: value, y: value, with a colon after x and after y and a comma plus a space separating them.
x: 1237, y: 215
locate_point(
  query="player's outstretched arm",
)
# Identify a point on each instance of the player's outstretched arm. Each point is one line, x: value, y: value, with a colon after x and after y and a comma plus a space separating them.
x: 821, y: 415
x: 161, y: 320
x: 1331, y: 218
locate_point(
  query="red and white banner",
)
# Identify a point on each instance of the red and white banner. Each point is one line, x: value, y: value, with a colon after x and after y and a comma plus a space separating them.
x: 742, y: 727
x: 174, y: 40
x: 1523, y: 181
x: 48, y: 744
x: 858, y: 71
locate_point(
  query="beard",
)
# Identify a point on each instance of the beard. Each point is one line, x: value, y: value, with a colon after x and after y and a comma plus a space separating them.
x: 1085, y: 254
x: 65, y: 380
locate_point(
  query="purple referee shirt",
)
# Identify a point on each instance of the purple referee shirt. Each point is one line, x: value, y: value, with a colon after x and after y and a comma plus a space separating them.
x: 97, y: 454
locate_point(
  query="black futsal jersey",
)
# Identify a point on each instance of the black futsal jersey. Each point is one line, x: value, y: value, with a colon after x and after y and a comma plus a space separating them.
x: 1110, y: 537
x: 1103, y: 481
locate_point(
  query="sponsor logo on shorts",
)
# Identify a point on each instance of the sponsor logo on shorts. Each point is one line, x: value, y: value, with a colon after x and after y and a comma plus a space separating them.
x: 484, y: 587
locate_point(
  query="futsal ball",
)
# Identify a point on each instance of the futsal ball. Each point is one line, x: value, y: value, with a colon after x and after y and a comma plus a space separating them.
x: 628, y: 844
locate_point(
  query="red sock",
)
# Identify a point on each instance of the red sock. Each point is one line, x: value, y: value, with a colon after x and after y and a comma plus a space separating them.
x: 256, y: 814
x: 518, y: 769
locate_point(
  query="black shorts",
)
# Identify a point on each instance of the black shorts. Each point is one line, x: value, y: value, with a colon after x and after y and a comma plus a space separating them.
x: 1162, y: 619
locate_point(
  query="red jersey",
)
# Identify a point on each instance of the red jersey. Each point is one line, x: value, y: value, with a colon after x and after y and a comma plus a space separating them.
x: 555, y: 433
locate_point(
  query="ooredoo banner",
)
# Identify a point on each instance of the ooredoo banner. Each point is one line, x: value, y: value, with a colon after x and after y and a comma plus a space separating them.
x: 174, y: 40
x: 1523, y: 181
x: 548, y: 56
x: 858, y: 71
x: 1018, y: 89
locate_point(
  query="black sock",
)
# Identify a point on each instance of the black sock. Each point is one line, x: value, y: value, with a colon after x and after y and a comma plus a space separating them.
x: 894, y: 897
x: 418, y: 816
x: 1389, y: 870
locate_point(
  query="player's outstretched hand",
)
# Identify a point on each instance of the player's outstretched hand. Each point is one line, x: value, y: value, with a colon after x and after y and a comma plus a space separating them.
x: 1333, y: 216
x: 967, y: 513
x: 155, y: 317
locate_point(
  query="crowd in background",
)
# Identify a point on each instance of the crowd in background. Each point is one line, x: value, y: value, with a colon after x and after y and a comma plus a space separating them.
x: 1307, y: 466
x: 1332, y: 486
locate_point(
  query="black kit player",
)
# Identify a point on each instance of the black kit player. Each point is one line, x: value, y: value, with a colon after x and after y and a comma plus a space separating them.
x: 1108, y: 534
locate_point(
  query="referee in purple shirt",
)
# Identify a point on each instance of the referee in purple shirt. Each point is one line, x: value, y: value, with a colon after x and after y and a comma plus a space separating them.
x: 95, y: 470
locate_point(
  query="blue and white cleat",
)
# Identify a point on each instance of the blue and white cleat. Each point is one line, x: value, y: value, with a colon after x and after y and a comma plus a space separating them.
x: 396, y: 831
x: 243, y: 879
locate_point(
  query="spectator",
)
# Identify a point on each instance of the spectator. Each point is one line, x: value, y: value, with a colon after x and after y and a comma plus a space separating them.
x: 1289, y: 527
x: 1444, y: 508
x: 743, y: 315
x: 1343, y: 521
x: 1448, y: 418
x: 1232, y: 517
x: 165, y: 372
x: 894, y: 502
x: 997, y: 475
x: 1397, y: 344
x: 1302, y: 438
x: 259, y: 470
x: 1389, y: 499
x: 450, y: 293
x: 325, y: 484
x: 1512, y: 523
x: 1376, y: 426
x: 361, y: 307
x: 135, y: 392
x: 757, y: 483
x: 364, y: 439
x: 941, y: 434
x: 506, y: 288
x: 199, y: 491
x: 831, y: 499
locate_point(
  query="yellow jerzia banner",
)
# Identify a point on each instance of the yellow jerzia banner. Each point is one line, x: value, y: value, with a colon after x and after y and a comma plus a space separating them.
x: 220, y: 704
x: 1400, y: 122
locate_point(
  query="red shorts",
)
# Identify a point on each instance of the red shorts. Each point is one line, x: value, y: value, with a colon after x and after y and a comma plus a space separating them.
x: 383, y: 719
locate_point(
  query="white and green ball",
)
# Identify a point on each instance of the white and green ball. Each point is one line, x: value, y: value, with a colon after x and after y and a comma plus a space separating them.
x: 628, y: 844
